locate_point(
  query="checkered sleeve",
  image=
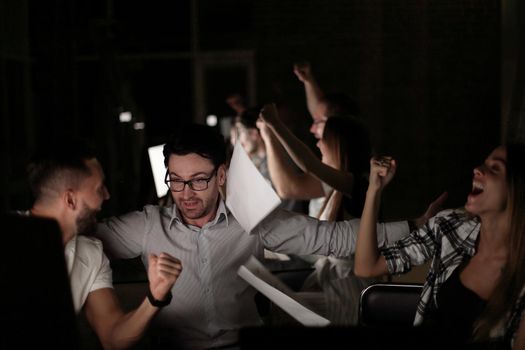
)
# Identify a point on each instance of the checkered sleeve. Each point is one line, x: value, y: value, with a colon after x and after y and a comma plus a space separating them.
x: 413, y: 250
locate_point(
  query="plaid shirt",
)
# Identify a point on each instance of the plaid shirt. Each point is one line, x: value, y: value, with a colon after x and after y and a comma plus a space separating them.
x: 448, y: 239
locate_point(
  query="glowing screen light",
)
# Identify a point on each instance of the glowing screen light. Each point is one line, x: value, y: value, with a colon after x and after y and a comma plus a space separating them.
x: 211, y: 120
x: 125, y: 117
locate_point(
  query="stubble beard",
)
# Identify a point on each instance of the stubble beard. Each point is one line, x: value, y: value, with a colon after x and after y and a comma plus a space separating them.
x: 86, y: 221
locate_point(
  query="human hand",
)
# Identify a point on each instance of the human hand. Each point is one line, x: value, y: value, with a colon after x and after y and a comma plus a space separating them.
x: 269, y: 114
x: 303, y: 71
x: 163, y: 272
x: 432, y: 210
x: 264, y: 130
x: 382, y: 170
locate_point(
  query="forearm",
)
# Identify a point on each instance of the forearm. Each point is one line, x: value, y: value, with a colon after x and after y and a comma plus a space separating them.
x: 368, y: 261
x: 130, y: 328
x: 314, y: 95
x: 298, y: 151
x: 309, y: 163
x: 288, y: 183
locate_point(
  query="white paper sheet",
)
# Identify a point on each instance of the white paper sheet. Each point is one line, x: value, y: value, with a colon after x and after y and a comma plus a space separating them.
x: 248, y: 196
x: 156, y: 160
x: 261, y: 279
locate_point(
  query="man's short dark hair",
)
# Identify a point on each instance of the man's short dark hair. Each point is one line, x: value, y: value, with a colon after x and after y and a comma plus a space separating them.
x: 196, y: 138
x: 59, y: 163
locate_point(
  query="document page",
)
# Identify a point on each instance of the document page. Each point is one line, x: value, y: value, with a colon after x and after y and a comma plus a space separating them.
x: 249, y: 196
x: 261, y: 279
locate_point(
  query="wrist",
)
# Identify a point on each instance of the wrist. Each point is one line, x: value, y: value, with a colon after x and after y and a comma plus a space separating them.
x: 159, y: 303
x: 373, y: 192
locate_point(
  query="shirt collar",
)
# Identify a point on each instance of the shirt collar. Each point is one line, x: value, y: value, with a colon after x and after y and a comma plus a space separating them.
x: 222, y: 213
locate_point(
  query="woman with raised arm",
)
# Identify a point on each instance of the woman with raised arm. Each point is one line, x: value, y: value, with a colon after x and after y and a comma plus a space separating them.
x: 474, y: 289
x: 340, y: 176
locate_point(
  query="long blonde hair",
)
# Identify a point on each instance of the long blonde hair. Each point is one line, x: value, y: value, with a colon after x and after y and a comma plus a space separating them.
x: 512, y: 279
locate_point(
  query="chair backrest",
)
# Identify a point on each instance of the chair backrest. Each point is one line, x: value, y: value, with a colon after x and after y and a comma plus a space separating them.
x: 389, y: 304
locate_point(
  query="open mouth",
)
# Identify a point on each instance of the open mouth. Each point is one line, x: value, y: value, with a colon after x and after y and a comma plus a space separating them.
x: 190, y: 203
x: 477, y: 189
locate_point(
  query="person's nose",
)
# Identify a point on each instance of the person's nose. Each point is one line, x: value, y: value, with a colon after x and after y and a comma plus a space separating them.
x: 187, y: 191
x: 478, y: 171
x: 313, y: 128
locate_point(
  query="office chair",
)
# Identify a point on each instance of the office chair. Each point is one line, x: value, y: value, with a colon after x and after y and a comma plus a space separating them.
x: 384, y: 304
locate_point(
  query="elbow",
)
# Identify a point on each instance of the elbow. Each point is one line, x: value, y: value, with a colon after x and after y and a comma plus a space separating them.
x: 367, y: 269
x: 285, y: 191
x: 363, y: 272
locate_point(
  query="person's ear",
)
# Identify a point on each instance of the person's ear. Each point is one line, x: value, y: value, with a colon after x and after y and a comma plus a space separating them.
x: 70, y: 199
x: 221, y: 174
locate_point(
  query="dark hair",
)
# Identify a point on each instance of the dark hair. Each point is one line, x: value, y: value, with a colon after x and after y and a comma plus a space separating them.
x: 349, y: 139
x: 249, y: 117
x: 196, y: 138
x: 340, y: 104
x: 512, y: 277
x: 60, y: 162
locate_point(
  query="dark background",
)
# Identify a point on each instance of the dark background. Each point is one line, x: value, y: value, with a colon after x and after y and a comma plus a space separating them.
x: 427, y: 75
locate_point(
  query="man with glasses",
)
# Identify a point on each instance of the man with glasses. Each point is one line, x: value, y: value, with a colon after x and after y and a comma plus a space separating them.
x: 210, y: 302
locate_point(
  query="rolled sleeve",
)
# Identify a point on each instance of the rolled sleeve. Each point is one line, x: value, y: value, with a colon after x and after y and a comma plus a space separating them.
x: 104, y: 277
x: 415, y: 249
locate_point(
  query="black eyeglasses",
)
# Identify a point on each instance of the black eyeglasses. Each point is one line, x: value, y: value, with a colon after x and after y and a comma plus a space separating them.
x: 199, y: 184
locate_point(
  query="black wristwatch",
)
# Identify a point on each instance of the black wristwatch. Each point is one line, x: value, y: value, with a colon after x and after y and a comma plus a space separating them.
x: 159, y: 303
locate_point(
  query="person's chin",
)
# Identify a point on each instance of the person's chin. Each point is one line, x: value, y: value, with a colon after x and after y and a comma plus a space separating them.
x: 192, y: 213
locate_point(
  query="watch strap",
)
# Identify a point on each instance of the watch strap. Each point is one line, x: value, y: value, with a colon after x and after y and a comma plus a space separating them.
x: 159, y: 303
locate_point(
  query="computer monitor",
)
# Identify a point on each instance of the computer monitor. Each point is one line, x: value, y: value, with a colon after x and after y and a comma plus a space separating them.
x: 156, y: 160
x: 36, y: 307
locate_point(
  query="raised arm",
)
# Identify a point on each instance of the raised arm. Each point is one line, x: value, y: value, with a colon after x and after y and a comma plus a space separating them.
x: 303, y: 156
x: 313, y: 92
x: 287, y: 181
x: 117, y: 330
x: 368, y: 261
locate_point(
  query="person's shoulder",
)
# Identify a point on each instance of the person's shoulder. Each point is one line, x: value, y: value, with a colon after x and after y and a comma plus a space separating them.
x: 455, y: 221
x: 89, y: 244
x: 456, y: 214
x: 152, y: 209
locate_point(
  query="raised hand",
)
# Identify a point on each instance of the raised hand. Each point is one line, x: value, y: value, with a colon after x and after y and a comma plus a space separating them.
x: 382, y: 170
x: 263, y: 128
x: 269, y: 114
x: 163, y: 271
x: 303, y: 71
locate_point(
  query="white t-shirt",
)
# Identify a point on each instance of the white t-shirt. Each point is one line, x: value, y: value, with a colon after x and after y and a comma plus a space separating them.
x: 315, y: 205
x: 88, y: 268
